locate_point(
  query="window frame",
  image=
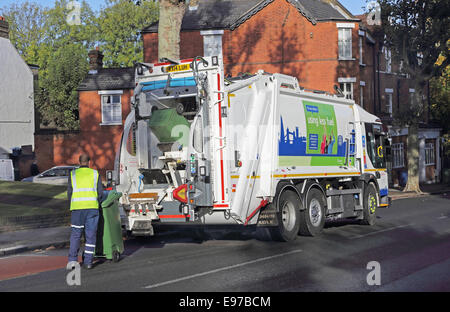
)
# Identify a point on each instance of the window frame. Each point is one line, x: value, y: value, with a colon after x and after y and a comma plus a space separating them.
x: 344, y: 90
x: 345, y: 44
x: 118, y: 105
x: 398, y: 155
x: 389, y: 102
x: 430, y: 154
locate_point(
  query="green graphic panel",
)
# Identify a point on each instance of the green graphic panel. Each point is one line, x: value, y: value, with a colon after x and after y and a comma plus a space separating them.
x: 321, y: 127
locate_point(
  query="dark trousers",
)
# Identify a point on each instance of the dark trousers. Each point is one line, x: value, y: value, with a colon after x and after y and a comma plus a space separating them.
x: 83, y: 220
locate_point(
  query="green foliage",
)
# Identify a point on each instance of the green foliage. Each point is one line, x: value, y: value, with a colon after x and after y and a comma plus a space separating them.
x: 43, y: 37
x: 120, y: 25
x: 58, y: 101
x: 417, y: 33
x: 440, y: 100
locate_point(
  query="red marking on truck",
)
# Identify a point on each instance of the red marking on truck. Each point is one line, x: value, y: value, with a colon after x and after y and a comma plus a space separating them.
x: 221, y: 206
x: 174, y: 216
x: 262, y: 204
x: 220, y: 134
x: 162, y: 64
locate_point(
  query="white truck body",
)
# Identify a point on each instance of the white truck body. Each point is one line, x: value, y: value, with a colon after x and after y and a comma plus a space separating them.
x: 243, y: 144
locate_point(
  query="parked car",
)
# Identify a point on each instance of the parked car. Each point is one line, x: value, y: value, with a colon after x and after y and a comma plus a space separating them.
x: 56, y: 175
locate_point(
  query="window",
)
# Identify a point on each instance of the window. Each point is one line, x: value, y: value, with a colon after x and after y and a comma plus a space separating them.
x: 388, y: 57
x: 430, y: 156
x: 375, y: 140
x: 347, y: 89
x: 398, y: 155
x: 411, y: 97
x: 361, y: 62
x: 111, y: 109
x: 361, y: 96
x: 345, y: 43
x: 389, y: 103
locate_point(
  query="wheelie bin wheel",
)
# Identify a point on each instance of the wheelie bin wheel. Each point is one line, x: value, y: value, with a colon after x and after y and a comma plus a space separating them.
x: 116, y: 256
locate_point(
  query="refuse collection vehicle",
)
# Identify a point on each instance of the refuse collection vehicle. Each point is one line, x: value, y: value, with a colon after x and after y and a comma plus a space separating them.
x: 200, y: 148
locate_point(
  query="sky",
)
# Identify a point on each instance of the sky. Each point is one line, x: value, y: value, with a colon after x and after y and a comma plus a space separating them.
x: 354, y: 6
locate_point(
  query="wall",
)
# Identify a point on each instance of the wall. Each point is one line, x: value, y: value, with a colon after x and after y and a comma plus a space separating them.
x: 278, y: 39
x: 16, y: 99
x: 191, y: 45
x: 427, y: 174
x: 100, y: 142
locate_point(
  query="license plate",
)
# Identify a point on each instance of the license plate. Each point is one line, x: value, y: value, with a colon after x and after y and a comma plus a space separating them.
x: 177, y: 68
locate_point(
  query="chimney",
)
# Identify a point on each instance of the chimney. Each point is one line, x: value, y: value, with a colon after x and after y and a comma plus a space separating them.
x: 4, y: 28
x: 95, y: 60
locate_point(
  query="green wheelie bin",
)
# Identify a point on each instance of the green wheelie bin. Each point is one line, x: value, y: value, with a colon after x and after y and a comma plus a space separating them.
x: 109, y: 232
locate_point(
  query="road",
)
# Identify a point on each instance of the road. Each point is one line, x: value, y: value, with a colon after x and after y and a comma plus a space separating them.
x: 411, y: 243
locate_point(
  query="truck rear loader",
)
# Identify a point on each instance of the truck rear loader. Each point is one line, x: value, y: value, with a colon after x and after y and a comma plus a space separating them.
x: 200, y: 148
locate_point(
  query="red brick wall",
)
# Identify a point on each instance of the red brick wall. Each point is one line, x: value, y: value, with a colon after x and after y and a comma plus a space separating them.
x: 191, y: 45
x: 278, y: 39
x: 100, y: 142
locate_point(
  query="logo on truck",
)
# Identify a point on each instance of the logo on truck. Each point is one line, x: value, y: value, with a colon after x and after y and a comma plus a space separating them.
x: 314, y: 140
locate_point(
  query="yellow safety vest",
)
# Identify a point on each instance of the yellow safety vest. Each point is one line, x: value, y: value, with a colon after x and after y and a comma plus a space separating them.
x: 84, y: 184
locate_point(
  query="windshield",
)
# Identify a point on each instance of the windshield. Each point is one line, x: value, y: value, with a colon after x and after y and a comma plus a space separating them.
x: 375, y: 145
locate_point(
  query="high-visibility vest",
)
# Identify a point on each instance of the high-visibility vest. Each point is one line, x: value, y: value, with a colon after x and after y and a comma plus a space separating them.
x: 84, y: 189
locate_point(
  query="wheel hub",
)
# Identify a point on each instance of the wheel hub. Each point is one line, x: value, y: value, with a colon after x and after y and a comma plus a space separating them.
x: 288, y: 216
x: 315, y: 212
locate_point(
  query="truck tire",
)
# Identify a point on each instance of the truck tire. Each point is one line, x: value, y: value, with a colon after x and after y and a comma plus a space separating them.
x: 370, y: 204
x: 312, y: 218
x: 288, y: 217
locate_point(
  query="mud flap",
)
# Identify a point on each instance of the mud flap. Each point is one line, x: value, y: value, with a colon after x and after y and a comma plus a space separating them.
x: 268, y: 216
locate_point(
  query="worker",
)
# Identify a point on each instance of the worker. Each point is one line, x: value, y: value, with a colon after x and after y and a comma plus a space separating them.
x: 85, y: 192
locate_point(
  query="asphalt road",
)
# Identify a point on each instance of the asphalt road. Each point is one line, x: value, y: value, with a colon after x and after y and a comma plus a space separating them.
x: 411, y: 243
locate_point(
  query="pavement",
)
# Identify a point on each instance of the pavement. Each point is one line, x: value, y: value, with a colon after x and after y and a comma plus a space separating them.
x: 407, y: 250
x: 12, y: 243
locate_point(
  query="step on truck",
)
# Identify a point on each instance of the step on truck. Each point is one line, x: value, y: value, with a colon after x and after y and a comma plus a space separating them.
x: 200, y: 148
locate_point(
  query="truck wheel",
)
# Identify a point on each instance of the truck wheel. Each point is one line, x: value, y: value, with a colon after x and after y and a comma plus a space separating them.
x: 288, y: 217
x: 312, y: 219
x: 370, y: 205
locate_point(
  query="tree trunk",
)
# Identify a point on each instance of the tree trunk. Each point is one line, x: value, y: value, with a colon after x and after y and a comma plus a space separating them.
x: 413, y: 160
x: 171, y: 14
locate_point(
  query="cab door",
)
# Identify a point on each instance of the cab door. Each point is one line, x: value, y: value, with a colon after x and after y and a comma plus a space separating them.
x: 375, y: 160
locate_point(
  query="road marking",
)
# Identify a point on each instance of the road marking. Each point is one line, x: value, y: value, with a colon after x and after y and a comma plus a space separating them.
x: 381, y: 231
x: 443, y: 217
x: 222, y: 269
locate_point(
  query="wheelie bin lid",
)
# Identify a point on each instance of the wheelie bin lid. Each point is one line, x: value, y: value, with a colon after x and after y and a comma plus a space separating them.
x: 112, y: 196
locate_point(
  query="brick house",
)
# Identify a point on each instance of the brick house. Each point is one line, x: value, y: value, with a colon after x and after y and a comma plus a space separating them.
x: 319, y: 42
x: 103, y: 103
x: 298, y: 38
x: 388, y: 90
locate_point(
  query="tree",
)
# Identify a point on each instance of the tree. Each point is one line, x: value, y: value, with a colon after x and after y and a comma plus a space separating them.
x: 63, y: 63
x: 26, y: 28
x: 58, y: 97
x: 120, y: 25
x: 171, y: 14
x: 417, y: 31
x: 440, y: 106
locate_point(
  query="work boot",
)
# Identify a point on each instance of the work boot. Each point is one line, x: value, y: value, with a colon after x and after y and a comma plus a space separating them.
x: 71, y: 265
x: 88, y: 266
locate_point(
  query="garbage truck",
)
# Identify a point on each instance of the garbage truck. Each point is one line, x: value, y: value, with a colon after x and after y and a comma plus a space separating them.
x: 255, y: 150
